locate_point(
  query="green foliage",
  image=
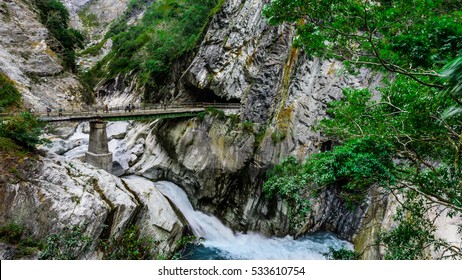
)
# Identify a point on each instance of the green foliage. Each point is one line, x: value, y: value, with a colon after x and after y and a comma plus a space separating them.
x: 14, y: 233
x: 54, y: 15
x: 9, y: 95
x: 130, y: 246
x: 247, y: 126
x: 235, y: 120
x: 399, y: 142
x: 184, y: 245
x: 24, y: 129
x: 168, y: 30
x: 88, y: 19
x: 406, y: 37
x: 29, y: 247
x: 406, y: 117
x: 11, y: 233
x: 5, y: 11
x: 201, y: 116
x: 289, y: 180
x: 277, y: 136
x: 408, y: 120
x: 341, y: 254
x: 413, y: 235
x: 353, y: 167
x: 7, y: 145
x: 72, y: 243
x: 93, y: 50
x: 212, y: 111
x: 453, y: 74
x: 69, y: 244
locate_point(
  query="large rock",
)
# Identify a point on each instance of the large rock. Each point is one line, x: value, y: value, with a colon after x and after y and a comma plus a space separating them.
x: 159, y: 219
x: 65, y: 193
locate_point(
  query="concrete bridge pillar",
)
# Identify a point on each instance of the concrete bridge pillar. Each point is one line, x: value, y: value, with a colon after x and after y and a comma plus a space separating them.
x: 98, y: 153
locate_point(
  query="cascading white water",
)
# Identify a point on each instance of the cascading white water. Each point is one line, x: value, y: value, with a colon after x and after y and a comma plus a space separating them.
x: 78, y: 133
x: 220, y: 241
x: 251, y: 245
x: 80, y: 149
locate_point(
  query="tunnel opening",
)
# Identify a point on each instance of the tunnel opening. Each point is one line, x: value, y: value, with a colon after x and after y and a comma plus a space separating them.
x: 206, y: 95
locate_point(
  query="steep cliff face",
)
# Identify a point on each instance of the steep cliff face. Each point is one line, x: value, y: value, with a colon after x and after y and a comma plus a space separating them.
x: 283, y: 94
x: 94, y: 16
x: 27, y: 59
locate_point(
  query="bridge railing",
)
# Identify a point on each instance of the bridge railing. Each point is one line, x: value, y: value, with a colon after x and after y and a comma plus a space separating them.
x: 145, y: 107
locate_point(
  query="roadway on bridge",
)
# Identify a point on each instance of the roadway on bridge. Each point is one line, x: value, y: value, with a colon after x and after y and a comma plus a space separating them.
x: 143, y: 113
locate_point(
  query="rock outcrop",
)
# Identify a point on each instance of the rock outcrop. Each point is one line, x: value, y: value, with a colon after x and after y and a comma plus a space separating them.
x: 64, y: 193
x: 27, y: 59
x: 94, y: 16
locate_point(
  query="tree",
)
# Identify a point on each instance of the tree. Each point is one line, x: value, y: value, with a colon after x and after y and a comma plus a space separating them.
x: 54, y: 15
x: 407, y: 37
x: 453, y: 73
x: 401, y: 142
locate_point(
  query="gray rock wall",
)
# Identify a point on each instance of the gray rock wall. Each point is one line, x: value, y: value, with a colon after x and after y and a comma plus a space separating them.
x: 63, y: 193
x: 284, y: 94
x: 27, y: 59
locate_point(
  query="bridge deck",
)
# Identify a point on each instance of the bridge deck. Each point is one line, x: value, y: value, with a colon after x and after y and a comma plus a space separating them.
x: 145, y: 113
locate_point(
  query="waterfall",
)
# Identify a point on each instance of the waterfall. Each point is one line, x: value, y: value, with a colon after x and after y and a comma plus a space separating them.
x: 229, y: 245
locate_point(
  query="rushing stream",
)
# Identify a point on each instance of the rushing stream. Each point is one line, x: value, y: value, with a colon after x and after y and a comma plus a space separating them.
x: 220, y: 242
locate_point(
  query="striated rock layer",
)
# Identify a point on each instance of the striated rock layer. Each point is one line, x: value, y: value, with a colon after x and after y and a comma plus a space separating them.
x: 27, y: 59
x: 65, y: 193
x: 283, y: 94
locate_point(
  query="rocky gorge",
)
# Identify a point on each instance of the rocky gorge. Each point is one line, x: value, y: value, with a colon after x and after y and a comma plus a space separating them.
x: 220, y: 160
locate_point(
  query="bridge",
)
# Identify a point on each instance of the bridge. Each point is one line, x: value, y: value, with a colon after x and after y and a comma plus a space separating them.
x: 145, y: 112
x: 98, y: 153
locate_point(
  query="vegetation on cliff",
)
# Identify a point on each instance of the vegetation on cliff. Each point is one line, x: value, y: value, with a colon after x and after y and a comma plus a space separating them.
x: 54, y: 15
x: 168, y: 30
x: 23, y: 128
x: 9, y: 95
x: 405, y: 136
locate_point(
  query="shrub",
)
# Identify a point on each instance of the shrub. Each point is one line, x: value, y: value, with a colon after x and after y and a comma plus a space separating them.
x: 11, y: 233
x: 288, y: 180
x: 130, y: 246
x: 9, y: 95
x: 278, y: 136
x: 201, y: 116
x: 69, y: 244
x: 24, y: 129
x: 215, y: 112
x: 54, y: 15
x: 247, y: 126
x: 341, y: 254
x: 168, y: 30
x: 14, y: 233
